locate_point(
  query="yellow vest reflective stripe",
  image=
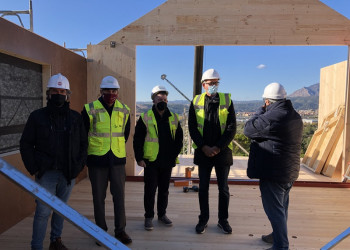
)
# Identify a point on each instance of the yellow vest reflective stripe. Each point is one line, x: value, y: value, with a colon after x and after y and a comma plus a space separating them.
x: 151, y: 145
x: 107, y: 132
x: 198, y: 104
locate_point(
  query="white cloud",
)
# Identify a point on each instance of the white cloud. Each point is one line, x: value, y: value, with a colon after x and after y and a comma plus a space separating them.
x: 261, y: 66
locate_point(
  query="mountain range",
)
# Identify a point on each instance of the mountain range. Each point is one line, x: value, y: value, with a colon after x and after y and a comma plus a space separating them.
x: 302, y: 99
x: 313, y: 90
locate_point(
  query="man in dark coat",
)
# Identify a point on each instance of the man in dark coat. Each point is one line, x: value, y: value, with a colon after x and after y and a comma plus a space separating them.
x: 53, y: 148
x: 276, y: 133
x: 157, y: 143
x: 212, y: 126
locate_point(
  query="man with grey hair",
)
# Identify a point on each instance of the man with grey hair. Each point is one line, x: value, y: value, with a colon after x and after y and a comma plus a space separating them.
x: 274, y: 158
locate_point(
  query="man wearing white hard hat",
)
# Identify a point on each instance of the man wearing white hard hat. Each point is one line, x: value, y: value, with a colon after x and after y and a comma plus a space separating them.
x: 107, y: 122
x: 157, y: 143
x: 53, y: 148
x: 212, y: 126
x: 275, y: 131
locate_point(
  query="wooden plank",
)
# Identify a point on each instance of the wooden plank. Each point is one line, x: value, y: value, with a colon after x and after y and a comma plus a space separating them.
x: 323, y: 140
x: 334, y: 130
x: 326, y: 130
x: 312, y: 146
x: 308, y: 22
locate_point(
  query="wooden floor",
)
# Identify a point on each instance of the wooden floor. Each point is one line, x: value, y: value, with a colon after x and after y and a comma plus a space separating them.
x: 316, y: 216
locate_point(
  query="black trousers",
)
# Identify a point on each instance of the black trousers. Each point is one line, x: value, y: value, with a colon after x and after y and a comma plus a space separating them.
x: 204, y: 172
x: 156, y: 176
x: 99, y: 177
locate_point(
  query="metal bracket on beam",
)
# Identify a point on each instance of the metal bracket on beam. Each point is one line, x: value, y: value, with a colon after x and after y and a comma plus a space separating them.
x: 16, y: 12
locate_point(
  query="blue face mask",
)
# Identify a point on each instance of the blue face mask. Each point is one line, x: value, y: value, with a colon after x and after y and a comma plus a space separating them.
x: 212, y: 90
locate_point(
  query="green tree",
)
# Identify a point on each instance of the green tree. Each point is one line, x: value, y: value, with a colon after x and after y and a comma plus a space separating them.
x: 242, y: 140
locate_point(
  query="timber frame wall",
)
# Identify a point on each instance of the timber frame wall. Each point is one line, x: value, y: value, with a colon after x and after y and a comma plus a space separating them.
x: 21, y: 43
x: 215, y: 22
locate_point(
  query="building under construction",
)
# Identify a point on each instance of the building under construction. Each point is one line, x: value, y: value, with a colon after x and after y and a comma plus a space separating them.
x: 319, y: 208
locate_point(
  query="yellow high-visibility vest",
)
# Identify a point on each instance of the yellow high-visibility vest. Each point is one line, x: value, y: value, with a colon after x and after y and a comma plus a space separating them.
x: 198, y: 104
x: 151, y: 145
x: 107, y: 132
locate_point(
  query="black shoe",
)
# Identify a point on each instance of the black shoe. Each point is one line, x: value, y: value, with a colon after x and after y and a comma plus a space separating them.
x: 123, y: 237
x: 148, y: 224
x: 98, y: 243
x: 166, y: 221
x: 225, y: 227
x: 201, y: 226
x: 57, y: 245
x: 267, y: 238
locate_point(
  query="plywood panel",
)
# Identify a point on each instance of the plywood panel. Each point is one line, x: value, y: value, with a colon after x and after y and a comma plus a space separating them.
x: 346, y: 145
x: 119, y: 62
x: 240, y: 22
x: 332, y: 89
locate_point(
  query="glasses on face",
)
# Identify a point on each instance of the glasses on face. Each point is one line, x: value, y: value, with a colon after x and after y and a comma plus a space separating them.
x: 212, y: 83
x: 110, y: 91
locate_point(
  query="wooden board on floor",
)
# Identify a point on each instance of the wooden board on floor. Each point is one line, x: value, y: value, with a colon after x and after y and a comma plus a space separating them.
x: 323, y: 140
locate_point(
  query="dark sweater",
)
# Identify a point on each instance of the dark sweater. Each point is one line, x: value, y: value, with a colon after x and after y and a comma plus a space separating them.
x: 212, y: 133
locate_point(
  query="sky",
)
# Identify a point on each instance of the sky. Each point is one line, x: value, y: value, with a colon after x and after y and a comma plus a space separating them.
x: 244, y: 70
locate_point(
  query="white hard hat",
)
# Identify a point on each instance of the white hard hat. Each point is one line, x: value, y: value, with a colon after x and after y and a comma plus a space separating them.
x: 274, y: 91
x: 58, y: 81
x: 158, y: 89
x: 109, y: 82
x: 210, y: 74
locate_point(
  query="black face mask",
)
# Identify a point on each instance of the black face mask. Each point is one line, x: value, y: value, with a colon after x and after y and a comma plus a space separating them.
x: 58, y: 100
x: 161, y: 106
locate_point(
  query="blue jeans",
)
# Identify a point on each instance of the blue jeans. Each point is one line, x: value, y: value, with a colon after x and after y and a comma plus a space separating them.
x: 55, y: 182
x: 275, y: 200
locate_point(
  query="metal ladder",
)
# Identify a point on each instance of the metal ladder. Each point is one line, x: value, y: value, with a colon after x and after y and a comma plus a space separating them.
x: 336, y: 240
x: 71, y: 215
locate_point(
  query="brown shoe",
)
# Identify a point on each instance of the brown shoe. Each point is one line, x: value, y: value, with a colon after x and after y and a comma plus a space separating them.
x: 123, y: 237
x: 57, y: 245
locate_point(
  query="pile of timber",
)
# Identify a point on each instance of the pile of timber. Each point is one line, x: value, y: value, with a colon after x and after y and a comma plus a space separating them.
x: 324, y: 153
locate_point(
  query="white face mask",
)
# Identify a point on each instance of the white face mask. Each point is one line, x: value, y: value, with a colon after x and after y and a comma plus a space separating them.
x: 212, y: 90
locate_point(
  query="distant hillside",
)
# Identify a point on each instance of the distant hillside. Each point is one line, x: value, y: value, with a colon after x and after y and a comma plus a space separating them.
x: 313, y: 90
x: 302, y: 99
x: 175, y: 106
x: 299, y: 103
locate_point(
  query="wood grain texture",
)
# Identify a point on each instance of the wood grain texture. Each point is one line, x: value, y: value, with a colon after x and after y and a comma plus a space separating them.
x: 316, y: 216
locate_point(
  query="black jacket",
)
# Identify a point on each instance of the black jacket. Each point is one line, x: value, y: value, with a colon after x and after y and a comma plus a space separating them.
x: 109, y: 159
x: 43, y: 148
x: 276, y: 134
x: 212, y: 133
x: 169, y: 149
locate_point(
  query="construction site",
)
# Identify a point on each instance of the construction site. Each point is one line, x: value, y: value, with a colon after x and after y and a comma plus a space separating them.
x: 319, y: 208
